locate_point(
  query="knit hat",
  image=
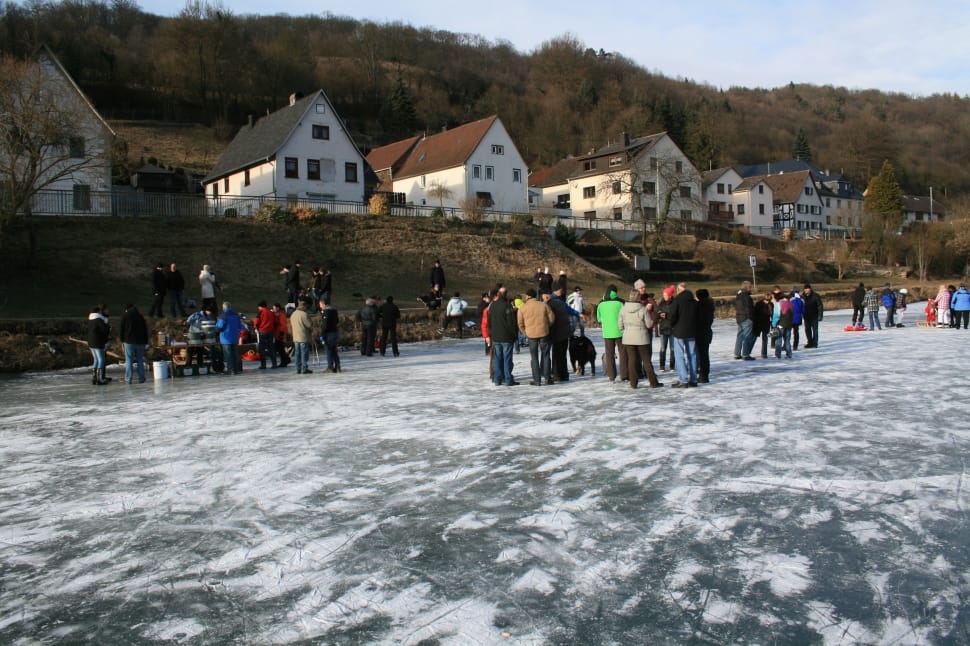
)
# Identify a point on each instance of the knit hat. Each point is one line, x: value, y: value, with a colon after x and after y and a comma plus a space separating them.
x: 669, y: 291
x: 639, y: 284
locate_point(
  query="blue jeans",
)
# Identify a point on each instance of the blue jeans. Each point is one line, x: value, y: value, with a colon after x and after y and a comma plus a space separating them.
x: 134, y: 353
x: 98, y: 354
x: 333, y: 359
x: 874, y: 320
x: 230, y: 354
x: 541, y: 363
x: 745, y: 339
x: 783, y: 342
x: 685, y: 360
x: 502, y: 362
x: 301, y: 352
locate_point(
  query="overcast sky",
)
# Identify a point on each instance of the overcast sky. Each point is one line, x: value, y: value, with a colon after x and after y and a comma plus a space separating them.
x: 891, y: 45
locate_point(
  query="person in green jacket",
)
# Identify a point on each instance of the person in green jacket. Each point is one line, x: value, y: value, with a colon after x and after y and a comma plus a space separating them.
x: 608, y: 314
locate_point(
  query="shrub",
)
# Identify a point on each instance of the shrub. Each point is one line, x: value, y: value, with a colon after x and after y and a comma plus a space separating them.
x: 565, y: 235
x: 231, y: 213
x: 270, y: 212
x: 438, y: 212
x: 473, y: 210
x: 378, y: 205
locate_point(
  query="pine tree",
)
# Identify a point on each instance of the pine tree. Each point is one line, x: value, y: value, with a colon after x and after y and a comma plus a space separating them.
x: 800, y: 149
x: 884, y: 197
x: 398, y: 114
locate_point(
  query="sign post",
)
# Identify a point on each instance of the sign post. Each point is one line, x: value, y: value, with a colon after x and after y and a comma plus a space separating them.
x: 753, y: 261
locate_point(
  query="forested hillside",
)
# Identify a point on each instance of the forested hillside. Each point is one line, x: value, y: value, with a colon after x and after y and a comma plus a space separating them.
x: 388, y: 80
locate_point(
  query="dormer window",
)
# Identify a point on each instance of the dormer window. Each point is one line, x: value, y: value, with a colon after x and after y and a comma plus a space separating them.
x: 498, y: 149
x: 615, y: 161
x: 589, y: 164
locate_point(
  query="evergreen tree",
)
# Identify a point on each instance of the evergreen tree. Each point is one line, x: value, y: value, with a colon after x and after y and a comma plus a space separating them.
x: 398, y: 115
x: 800, y: 149
x: 884, y: 197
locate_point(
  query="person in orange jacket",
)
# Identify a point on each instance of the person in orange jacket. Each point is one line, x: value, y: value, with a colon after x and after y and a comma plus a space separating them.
x: 265, y: 324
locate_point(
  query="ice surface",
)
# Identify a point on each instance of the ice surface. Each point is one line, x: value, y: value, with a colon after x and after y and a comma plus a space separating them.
x: 407, y: 500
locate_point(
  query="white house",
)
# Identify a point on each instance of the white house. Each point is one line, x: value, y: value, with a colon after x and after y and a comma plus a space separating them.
x: 797, y: 204
x: 82, y: 163
x: 300, y: 152
x: 735, y: 201
x: 476, y: 161
x: 627, y: 180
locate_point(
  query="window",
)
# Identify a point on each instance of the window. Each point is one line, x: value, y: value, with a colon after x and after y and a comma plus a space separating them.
x: 489, y: 172
x: 321, y: 132
x: 720, y: 189
x: 215, y: 189
x: 679, y: 167
x: 291, y: 167
x: 589, y: 215
x: 562, y: 201
x: 82, y: 197
x: 761, y: 189
x: 246, y: 177
x: 225, y: 185
x: 517, y: 175
x: 76, y: 147
x: 498, y: 149
x: 740, y: 209
x: 321, y: 108
x: 350, y: 172
x: 730, y: 188
x: 615, y: 161
x: 685, y: 191
x: 649, y: 188
x: 484, y: 199
x: 423, y: 180
x: 589, y: 164
x: 589, y: 191
x: 808, y: 190
x: 617, y: 188
x: 650, y: 211
x: 313, y: 169
x: 802, y: 208
x: 617, y: 213
x: 477, y: 171
x: 828, y: 202
x: 653, y: 163
x: 761, y: 209
x: 686, y: 214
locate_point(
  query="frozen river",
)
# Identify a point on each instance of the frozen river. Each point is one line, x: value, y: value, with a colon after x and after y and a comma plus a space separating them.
x: 407, y: 501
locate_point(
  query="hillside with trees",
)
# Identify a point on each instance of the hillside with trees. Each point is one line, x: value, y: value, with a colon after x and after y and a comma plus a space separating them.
x: 209, y: 66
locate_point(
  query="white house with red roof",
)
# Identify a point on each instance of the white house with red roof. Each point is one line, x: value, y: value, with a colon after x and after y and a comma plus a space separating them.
x: 477, y: 162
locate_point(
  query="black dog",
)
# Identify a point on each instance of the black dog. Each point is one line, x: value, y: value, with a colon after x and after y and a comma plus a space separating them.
x: 581, y: 352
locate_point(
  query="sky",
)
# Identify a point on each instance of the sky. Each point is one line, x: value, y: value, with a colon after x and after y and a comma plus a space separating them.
x: 406, y: 500
x: 891, y: 45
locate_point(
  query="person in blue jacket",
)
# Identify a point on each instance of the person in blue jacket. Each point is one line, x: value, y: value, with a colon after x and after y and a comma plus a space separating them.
x: 797, y: 309
x: 959, y: 307
x: 229, y: 325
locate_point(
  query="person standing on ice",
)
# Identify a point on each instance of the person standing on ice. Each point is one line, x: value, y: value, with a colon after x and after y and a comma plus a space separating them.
x: 782, y: 318
x: 943, y: 307
x: 608, y: 314
x: 901, y: 297
x: 229, y: 325
x: 208, y: 285
x: 811, y: 315
x: 98, y: 334
x: 797, y: 315
x: 134, y: 337
x: 872, y: 306
x: 743, y: 316
x: 683, y: 327
x: 535, y: 319
x: 960, y: 307
x: 330, y: 329
x: 302, y: 329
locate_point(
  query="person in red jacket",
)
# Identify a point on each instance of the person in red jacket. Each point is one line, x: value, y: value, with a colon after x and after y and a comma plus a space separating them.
x: 279, y: 335
x: 265, y: 324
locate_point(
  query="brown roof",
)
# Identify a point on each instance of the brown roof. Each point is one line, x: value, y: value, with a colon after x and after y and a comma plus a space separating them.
x: 392, y: 155
x: 446, y: 149
x: 787, y: 187
x: 748, y: 183
x: 556, y: 175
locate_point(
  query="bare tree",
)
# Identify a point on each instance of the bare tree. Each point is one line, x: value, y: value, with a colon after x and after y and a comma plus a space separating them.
x: 658, y: 186
x: 438, y: 191
x: 41, y: 141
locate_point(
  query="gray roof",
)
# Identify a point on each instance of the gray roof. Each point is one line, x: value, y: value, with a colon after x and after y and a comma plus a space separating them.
x: 257, y: 143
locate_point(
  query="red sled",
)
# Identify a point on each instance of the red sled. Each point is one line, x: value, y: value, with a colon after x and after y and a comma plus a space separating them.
x: 854, y: 328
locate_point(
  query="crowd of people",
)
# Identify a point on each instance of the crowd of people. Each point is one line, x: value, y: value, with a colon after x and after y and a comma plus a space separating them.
x: 545, y: 319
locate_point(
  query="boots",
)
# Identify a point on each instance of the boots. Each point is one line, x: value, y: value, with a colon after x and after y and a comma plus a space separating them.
x: 94, y: 377
x: 100, y: 378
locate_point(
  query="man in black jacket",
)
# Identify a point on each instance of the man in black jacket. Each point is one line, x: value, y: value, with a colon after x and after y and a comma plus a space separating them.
x: 744, y: 316
x: 176, y: 287
x: 134, y: 337
x: 389, y: 313
x: 811, y: 315
x: 438, y: 276
x: 502, y: 330
x: 683, y: 317
x: 859, y: 305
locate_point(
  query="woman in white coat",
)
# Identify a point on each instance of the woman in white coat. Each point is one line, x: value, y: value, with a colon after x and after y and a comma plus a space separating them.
x: 635, y: 322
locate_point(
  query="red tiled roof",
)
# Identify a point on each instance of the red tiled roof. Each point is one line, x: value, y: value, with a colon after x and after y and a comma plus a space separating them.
x: 446, y: 149
x: 557, y: 174
x: 392, y: 155
x: 787, y: 187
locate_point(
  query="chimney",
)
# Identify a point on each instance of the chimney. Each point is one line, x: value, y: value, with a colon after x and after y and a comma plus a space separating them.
x: 626, y: 138
x: 293, y: 98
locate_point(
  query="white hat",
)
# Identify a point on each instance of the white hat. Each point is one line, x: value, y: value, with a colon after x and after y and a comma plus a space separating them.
x: 903, y: 291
